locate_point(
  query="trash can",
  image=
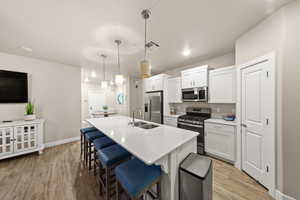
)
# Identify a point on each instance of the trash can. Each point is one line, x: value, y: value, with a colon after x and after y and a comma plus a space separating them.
x: 195, y: 178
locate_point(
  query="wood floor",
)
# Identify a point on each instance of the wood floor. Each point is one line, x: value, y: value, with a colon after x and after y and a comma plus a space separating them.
x: 58, y: 174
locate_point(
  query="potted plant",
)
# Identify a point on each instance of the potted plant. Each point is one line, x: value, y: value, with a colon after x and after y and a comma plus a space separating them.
x: 30, y: 112
x: 105, y: 109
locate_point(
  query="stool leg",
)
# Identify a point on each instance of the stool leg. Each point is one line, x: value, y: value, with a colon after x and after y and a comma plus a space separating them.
x: 81, y: 143
x: 100, y: 174
x: 90, y: 155
x: 158, y: 188
x: 107, y: 186
x: 85, y: 152
x: 117, y: 190
x: 95, y: 167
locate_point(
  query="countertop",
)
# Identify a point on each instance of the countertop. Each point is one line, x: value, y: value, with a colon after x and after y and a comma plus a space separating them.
x: 149, y: 145
x: 175, y: 116
x: 221, y: 121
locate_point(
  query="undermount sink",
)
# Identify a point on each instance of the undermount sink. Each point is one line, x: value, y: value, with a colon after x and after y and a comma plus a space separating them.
x: 148, y: 126
x: 145, y: 125
x: 139, y: 123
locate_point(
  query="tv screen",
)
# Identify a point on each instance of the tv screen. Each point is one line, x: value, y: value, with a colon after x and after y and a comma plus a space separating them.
x: 13, y: 87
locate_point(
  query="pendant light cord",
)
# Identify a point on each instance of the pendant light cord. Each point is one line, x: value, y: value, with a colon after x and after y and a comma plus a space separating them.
x: 119, y: 58
x: 103, y: 58
x: 145, y: 48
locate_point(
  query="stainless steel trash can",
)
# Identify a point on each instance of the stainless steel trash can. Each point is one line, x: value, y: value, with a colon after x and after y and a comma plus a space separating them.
x: 195, y: 178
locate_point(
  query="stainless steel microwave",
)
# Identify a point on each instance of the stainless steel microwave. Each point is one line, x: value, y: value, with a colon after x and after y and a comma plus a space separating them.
x: 195, y: 94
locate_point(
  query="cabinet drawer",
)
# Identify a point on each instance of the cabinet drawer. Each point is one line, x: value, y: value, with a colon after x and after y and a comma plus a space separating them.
x: 219, y: 127
x: 171, y: 121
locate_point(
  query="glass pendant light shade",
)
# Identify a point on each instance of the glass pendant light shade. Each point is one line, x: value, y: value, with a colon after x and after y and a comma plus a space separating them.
x: 145, y: 69
x: 119, y: 79
x: 104, y: 84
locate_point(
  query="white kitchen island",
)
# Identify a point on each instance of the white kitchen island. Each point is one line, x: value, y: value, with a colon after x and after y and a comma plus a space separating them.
x: 164, y: 145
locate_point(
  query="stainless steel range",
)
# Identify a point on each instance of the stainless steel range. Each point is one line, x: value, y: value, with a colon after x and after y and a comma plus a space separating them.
x: 193, y: 120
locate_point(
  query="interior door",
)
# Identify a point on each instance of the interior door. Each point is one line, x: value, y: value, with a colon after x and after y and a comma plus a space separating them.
x: 258, y: 146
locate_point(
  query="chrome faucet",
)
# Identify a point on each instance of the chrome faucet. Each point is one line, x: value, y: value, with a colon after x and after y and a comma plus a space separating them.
x: 133, y: 120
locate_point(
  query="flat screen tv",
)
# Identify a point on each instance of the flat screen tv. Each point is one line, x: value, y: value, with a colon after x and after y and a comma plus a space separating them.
x: 13, y: 87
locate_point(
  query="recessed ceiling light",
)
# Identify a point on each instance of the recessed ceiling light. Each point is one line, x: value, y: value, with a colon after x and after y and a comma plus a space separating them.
x: 93, y: 74
x: 186, y: 52
x: 26, y: 48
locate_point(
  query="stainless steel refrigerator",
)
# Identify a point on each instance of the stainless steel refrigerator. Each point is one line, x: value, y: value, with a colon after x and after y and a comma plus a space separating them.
x: 153, y: 109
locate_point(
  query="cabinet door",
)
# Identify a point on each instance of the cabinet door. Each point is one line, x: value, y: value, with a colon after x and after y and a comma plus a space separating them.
x: 200, y: 78
x: 186, y: 81
x: 222, y: 85
x: 220, y: 141
x: 6, y: 141
x: 174, y: 90
x: 25, y: 137
x: 147, y: 84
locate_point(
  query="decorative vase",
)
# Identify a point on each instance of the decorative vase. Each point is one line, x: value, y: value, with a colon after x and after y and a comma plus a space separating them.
x: 105, y: 114
x: 30, y: 117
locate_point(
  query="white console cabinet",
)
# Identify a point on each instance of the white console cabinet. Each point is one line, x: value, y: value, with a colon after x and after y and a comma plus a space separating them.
x: 21, y: 137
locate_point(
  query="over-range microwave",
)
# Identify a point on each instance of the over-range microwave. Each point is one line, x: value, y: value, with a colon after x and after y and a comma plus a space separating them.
x: 195, y: 94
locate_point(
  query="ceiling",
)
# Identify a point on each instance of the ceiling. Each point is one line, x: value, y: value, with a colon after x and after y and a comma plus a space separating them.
x: 74, y: 32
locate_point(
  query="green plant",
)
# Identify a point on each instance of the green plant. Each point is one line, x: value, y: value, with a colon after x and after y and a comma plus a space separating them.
x: 105, y: 107
x: 29, y: 108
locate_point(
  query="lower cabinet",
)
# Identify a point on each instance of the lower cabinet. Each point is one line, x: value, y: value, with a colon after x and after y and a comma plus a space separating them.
x: 170, y: 120
x: 220, y: 140
x: 17, y: 138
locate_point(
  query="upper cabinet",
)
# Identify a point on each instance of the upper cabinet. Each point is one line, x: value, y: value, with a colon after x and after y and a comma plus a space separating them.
x: 155, y: 83
x: 195, y: 77
x: 222, y: 85
x: 174, y: 90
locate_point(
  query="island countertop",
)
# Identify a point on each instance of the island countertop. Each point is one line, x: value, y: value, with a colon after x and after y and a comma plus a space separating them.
x: 149, y: 145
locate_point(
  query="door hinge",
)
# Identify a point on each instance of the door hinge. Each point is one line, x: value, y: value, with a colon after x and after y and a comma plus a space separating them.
x: 267, y: 121
x: 267, y: 168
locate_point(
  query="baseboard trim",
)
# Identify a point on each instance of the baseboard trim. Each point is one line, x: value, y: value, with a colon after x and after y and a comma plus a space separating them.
x: 281, y: 196
x: 59, y: 142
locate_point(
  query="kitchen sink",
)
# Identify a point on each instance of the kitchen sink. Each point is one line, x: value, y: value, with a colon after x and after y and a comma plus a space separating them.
x: 148, y: 126
x: 145, y: 125
x: 139, y: 123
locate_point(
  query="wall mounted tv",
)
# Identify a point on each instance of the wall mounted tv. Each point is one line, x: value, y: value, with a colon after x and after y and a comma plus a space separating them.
x: 13, y: 87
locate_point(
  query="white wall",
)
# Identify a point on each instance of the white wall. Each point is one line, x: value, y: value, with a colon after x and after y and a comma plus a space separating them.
x: 55, y: 89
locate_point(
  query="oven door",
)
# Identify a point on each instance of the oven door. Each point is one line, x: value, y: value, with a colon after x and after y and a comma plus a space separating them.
x: 190, y: 95
x: 200, y: 138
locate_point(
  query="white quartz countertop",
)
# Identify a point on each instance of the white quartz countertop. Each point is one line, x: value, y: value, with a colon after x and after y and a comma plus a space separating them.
x: 149, y: 145
x: 175, y: 116
x: 221, y: 121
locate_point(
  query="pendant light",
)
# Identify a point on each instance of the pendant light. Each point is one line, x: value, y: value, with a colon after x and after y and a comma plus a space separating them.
x: 145, y: 64
x: 119, y: 79
x: 104, y: 83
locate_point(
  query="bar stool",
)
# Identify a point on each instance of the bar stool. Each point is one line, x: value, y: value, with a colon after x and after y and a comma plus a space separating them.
x: 88, y: 144
x: 83, y: 131
x: 101, y: 143
x: 137, y: 179
x: 107, y: 159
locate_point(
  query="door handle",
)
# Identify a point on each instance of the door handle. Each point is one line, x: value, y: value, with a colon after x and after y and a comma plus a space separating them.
x: 244, y: 125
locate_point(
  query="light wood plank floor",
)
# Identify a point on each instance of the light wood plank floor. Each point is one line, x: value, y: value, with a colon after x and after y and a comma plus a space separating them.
x: 58, y: 174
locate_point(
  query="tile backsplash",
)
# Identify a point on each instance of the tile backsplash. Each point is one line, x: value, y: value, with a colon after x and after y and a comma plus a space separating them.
x: 218, y: 110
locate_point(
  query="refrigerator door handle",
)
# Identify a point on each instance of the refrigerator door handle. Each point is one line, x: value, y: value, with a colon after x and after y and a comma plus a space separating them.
x: 150, y: 109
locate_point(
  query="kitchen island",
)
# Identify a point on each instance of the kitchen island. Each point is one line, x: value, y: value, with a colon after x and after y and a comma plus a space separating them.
x: 163, y: 145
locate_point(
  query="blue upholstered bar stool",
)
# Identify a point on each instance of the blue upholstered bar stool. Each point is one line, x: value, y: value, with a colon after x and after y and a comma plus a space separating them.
x: 101, y: 143
x: 137, y: 178
x: 89, y: 138
x: 107, y: 159
x: 83, y: 131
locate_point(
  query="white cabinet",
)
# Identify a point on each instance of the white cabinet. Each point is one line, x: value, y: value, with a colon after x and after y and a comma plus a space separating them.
x: 170, y: 120
x: 21, y: 137
x: 195, y: 77
x: 222, y: 85
x: 154, y: 83
x: 174, y: 90
x: 220, y: 140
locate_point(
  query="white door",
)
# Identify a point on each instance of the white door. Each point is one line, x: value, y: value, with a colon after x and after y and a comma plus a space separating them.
x: 257, y: 122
